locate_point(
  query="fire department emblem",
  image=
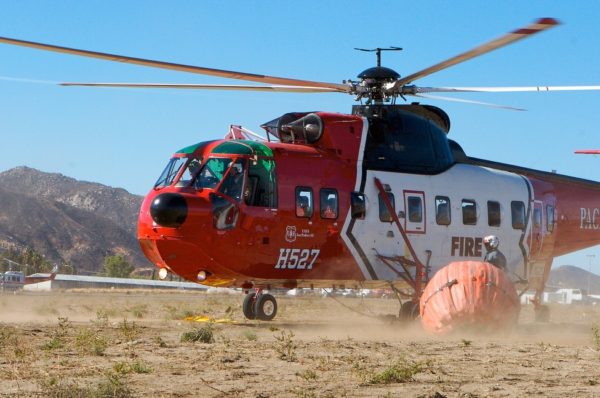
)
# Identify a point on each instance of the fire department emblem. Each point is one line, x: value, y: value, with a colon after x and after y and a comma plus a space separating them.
x: 290, y: 233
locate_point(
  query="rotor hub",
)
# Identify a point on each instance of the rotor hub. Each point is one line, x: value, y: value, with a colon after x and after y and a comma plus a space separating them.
x: 379, y: 73
x: 376, y: 84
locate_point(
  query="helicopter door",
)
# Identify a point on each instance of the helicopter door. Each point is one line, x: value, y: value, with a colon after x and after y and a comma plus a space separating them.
x: 414, y: 205
x: 536, y: 238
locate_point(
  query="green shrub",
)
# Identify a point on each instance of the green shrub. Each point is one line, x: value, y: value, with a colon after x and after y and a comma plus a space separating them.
x: 596, y: 336
x: 90, y: 341
x: 53, y: 344
x: 139, y: 311
x: 113, y: 386
x: 400, y: 371
x: 204, y: 335
x: 250, y: 335
x: 141, y: 367
x: 123, y: 368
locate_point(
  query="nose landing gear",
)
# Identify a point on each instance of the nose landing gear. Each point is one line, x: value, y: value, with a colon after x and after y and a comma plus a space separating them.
x: 258, y: 305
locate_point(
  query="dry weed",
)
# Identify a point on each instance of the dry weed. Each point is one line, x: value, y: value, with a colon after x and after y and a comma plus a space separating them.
x: 285, y: 346
x: 129, y: 330
x: 139, y: 310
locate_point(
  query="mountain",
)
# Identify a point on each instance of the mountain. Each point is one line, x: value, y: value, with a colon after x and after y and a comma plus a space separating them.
x: 80, y: 223
x: 569, y: 276
x: 67, y: 220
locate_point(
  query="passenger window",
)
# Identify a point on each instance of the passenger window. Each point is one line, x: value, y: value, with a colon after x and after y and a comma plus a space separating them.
x: 550, y: 218
x: 415, y: 209
x: 304, y: 202
x: 493, y: 213
x: 517, y: 209
x: 469, y: 212
x: 384, y: 214
x: 537, y: 217
x: 329, y: 203
x: 442, y: 210
x: 358, y: 205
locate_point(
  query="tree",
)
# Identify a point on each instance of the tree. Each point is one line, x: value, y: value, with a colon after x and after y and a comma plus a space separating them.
x: 27, y: 260
x: 68, y: 269
x: 117, y: 267
x: 34, y: 262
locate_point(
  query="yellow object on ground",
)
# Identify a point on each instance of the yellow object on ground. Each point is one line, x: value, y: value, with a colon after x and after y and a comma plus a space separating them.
x: 203, y: 318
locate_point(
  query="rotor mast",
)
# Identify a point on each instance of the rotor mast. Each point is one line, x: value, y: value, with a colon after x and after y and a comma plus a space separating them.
x: 378, y: 50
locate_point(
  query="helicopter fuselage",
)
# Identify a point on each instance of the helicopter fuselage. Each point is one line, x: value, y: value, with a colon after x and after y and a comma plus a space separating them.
x: 305, y: 211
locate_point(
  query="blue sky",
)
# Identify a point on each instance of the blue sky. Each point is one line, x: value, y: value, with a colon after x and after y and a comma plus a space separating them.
x: 123, y: 137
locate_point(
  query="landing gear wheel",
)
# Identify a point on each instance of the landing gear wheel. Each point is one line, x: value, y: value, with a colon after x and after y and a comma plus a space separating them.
x: 409, y: 310
x: 542, y: 314
x: 265, y: 307
x: 248, y: 306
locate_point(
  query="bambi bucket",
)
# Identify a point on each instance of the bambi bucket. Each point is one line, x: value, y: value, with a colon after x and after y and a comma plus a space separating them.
x: 471, y: 296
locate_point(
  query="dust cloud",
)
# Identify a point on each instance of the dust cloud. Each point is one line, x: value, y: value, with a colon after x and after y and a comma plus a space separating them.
x: 55, y: 343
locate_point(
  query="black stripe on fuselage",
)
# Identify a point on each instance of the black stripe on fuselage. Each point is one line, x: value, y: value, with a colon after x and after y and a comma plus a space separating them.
x: 522, y: 239
x: 357, y: 247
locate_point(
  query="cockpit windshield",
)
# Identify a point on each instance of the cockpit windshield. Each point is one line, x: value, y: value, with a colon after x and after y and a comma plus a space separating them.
x: 190, y: 171
x: 212, y: 173
x: 233, y: 184
x: 170, y: 172
x: 232, y: 173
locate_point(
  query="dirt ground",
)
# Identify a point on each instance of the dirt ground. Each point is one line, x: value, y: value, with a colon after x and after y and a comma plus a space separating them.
x: 122, y: 344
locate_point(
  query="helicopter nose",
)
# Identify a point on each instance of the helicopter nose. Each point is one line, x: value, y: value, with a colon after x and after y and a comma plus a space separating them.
x: 169, y: 210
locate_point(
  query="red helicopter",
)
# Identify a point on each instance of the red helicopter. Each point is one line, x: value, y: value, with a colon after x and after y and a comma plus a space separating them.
x: 588, y: 151
x: 378, y: 198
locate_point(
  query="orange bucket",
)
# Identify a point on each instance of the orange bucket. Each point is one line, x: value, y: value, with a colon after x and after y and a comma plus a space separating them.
x: 469, y: 295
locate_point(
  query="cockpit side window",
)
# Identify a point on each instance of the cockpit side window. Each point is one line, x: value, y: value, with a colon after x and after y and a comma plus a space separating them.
x: 212, y: 173
x: 170, y: 172
x: 233, y: 184
x: 261, y: 185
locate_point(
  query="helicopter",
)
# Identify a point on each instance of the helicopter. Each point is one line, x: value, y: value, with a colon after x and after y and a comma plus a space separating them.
x: 588, y: 151
x: 377, y: 198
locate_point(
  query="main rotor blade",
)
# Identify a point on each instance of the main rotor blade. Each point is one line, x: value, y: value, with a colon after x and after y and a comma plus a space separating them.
x: 538, y: 26
x: 588, y: 151
x: 503, y: 89
x: 510, y: 108
x: 178, y: 67
x: 289, y: 89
